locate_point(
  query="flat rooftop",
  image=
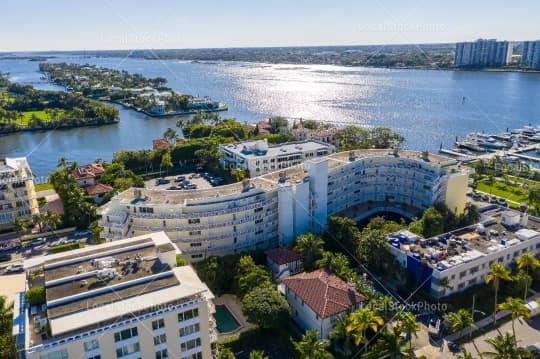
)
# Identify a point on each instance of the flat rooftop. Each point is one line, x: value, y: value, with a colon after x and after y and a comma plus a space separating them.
x: 100, y: 283
x: 256, y: 149
x: 267, y: 182
x: 463, y: 245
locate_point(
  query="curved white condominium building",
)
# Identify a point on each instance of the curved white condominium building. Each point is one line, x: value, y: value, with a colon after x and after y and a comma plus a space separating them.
x: 271, y: 210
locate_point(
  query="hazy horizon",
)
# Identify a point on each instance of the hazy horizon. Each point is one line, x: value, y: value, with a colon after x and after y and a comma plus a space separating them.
x: 35, y: 26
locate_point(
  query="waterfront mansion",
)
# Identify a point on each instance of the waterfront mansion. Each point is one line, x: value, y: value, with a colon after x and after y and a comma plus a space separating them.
x: 271, y: 210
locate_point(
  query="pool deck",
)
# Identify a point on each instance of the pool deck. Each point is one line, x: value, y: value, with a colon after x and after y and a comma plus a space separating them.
x: 235, y: 307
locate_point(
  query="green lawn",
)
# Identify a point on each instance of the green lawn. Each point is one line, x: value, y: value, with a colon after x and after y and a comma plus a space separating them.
x: 28, y: 115
x: 510, y: 192
x: 524, y: 181
x: 43, y: 187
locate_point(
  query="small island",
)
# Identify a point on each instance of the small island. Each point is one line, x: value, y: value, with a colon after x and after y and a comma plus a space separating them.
x: 149, y: 96
x: 23, y: 108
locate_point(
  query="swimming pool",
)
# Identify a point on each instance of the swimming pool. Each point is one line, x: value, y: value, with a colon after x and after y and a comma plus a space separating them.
x: 225, y: 320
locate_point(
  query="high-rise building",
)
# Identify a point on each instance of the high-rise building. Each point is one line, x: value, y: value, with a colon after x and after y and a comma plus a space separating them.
x: 17, y: 194
x: 531, y: 54
x: 124, y: 299
x: 271, y: 210
x: 483, y: 53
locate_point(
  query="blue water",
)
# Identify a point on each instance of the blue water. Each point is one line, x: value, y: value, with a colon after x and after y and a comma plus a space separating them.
x: 426, y: 106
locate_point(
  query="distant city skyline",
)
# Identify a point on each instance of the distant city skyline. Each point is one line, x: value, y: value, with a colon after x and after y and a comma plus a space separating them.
x: 31, y: 25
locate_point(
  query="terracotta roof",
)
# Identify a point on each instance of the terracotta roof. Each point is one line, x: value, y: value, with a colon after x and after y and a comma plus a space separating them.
x: 160, y: 143
x: 99, y: 188
x: 88, y: 171
x: 325, y: 293
x: 283, y: 255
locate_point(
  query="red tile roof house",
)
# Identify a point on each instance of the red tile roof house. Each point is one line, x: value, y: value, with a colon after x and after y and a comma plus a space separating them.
x: 317, y: 299
x: 87, y: 175
x: 283, y: 262
x: 98, y: 191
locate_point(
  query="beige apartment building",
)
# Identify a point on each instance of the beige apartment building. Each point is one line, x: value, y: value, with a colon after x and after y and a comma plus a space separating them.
x: 17, y: 194
x: 124, y: 299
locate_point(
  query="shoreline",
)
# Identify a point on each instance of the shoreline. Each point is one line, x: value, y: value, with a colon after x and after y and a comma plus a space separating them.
x: 53, y: 128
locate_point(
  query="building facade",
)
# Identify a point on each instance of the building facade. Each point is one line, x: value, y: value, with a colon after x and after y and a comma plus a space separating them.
x: 257, y: 158
x: 284, y: 262
x: 317, y: 299
x: 483, y: 53
x: 271, y: 210
x: 452, y: 262
x: 531, y: 54
x: 126, y: 299
x: 17, y: 193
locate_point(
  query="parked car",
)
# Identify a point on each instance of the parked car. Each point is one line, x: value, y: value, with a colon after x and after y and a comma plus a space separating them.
x: 15, y: 268
x: 38, y: 241
x: 160, y: 181
x: 83, y: 233
x: 179, y: 178
x: 174, y: 188
x: 4, y: 257
x: 191, y: 186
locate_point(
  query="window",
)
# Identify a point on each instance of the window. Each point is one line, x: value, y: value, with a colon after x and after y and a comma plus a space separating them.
x: 196, y: 255
x: 162, y: 354
x: 156, y: 324
x: 194, y: 220
x: 160, y: 339
x: 190, y: 329
x: 258, y: 209
x: 61, y: 354
x: 258, y: 221
x: 95, y: 357
x: 91, y: 345
x: 190, y: 344
x: 194, y: 356
x: 197, y: 244
x: 194, y: 233
x: 187, y: 315
x: 125, y: 334
x: 127, y: 350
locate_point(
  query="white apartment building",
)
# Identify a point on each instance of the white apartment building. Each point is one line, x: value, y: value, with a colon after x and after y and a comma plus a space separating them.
x: 257, y: 158
x: 271, y: 210
x: 455, y: 261
x: 483, y: 53
x: 17, y: 194
x: 531, y: 54
x: 125, y: 299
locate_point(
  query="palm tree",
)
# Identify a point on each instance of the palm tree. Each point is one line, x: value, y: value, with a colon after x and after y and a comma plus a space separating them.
x: 39, y: 219
x: 310, y: 246
x: 166, y: 161
x: 517, y: 309
x: 527, y: 261
x: 52, y: 219
x: 310, y: 347
x: 341, y: 336
x: 408, y: 325
x: 170, y: 135
x: 523, y: 280
x: 62, y: 162
x: 21, y: 225
x: 391, y: 345
x: 385, y: 306
x: 497, y: 273
x: 504, y: 347
x: 459, y: 321
x: 257, y: 354
x: 362, y: 320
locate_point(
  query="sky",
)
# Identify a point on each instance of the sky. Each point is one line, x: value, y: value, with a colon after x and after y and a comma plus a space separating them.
x: 43, y: 25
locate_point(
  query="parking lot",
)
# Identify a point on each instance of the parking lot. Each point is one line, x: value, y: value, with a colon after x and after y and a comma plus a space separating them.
x: 187, y: 181
x: 16, y: 254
